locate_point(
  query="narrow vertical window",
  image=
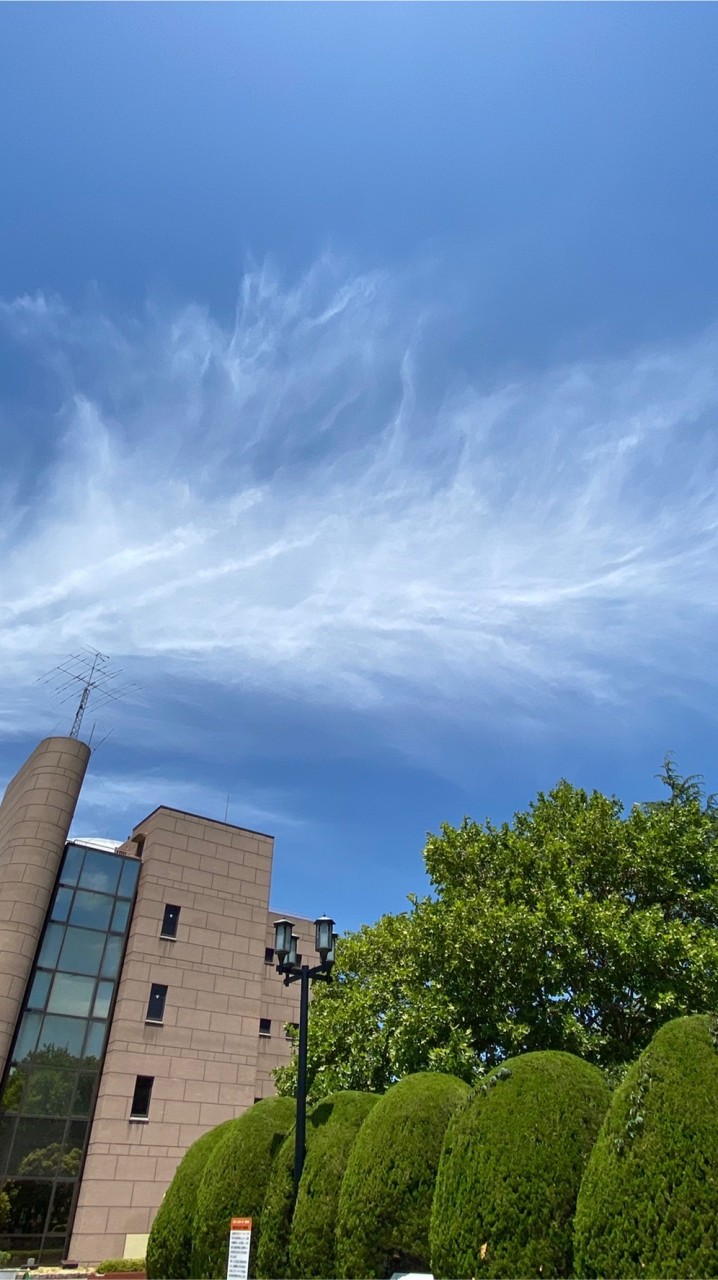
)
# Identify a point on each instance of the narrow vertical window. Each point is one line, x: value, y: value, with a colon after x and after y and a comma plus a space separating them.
x: 265, y: 1026
x: 170, y: 920
x: 141, y: 1098
x: 156, y: 1003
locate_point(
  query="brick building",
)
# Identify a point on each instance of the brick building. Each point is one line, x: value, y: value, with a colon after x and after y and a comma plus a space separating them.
x: 139, y: 1007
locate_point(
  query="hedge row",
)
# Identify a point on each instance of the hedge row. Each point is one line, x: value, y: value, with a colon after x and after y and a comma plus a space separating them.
x: 300, y: 1240
x: 536, y: 1172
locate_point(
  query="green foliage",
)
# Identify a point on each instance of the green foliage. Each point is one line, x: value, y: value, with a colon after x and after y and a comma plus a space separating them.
x: 647, y: 1205
x: 110, y: 1265
x: 511, y: 1168
x: 169, y: 1248
x: 574, y: 927
x: 380, y: 1019
x: 234, y: 1183
x: 4, y: 1257
x: 385, y: 1198
x: 332, y: 1126
x: 312, y: 1248
x: 45, y: 1077
x: 5, y: 1210
x: 46, y: 1162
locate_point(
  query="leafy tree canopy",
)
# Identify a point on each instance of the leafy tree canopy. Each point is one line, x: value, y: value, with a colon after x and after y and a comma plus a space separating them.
x: 575, y: 927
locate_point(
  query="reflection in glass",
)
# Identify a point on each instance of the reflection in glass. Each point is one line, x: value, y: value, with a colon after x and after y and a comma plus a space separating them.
x: 37, y: 1147
x: 82, y: 950
x: 63, y: 1033
x: 62, y: 904
x: 7, y: 1124
x: 103, y: 999
x: 75, y: 1136
x: 39, y: 990
x: 12, y: 1093
x: 101, y: 872
x: 113, y: 956
x: 128, y: 879
x: 29, y: 1203
x: 120, y: 917
x: 71, y: 864
x: 60, y: 1211
x: 51, y: 946
x: 83, y: 1094
x: 27, y: 1038
x: 71, y: 994
x: 48, y: 1092
x: 95, y: 1040
x: 92, y: 910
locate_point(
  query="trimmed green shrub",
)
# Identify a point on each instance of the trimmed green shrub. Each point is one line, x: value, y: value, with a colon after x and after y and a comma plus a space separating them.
x: 332, y: 1126
x: 169, y: 1248
x: 312, y: 1248
x: 385, y: 1198
x: 511, y: 1168
x: 647, y: 1205
x: 234, y: 1183
x: 4, y: 1257
x: 112, y: 1265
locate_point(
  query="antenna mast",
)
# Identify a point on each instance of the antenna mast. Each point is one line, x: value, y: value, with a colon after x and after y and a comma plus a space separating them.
x: 93, y: 672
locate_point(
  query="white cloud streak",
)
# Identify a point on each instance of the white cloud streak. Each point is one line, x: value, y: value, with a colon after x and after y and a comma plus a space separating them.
x: 296, y: 503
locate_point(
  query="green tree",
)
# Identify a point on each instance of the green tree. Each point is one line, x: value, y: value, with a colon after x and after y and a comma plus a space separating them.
x: 575, y: 927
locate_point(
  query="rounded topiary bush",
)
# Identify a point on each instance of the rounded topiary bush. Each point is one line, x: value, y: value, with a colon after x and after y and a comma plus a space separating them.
x: 234, y: 1183
x: 312, y: 1248
x: 511, y: 1168
x: 647, y: 1205
x: 385, y: 1198
x: 169, y: 1248
x: 306, y: 1235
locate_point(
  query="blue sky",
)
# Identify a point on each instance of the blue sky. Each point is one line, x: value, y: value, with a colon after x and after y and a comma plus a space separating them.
x: 358, y: 395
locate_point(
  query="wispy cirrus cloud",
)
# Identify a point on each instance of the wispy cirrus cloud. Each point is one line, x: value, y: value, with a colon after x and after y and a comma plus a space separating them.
x: 303, y: 501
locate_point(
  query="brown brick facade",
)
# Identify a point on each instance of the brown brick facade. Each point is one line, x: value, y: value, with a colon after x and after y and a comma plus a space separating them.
x: 208, y: 1058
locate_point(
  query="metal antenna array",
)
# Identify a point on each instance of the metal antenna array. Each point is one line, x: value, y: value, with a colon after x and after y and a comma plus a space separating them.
x: 92, y: 671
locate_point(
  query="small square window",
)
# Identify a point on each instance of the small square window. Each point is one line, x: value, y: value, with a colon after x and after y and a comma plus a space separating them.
x: 294, y: 1027
x: 269, y: 955
x: 156, y: 1003
x: 170, y: 920
x: 141, y: 1098
x: 265, y: 1026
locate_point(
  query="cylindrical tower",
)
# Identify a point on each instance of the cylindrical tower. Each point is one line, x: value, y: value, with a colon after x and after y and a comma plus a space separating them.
x: 35, y: 817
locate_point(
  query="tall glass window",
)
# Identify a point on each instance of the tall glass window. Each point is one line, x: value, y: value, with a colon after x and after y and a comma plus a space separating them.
x: 49, y: 1087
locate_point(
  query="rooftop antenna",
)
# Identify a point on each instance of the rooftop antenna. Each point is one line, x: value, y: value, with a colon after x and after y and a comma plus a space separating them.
x: 91, y: 670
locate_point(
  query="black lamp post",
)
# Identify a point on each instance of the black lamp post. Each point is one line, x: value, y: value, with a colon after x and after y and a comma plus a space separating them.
x: 290, y: 964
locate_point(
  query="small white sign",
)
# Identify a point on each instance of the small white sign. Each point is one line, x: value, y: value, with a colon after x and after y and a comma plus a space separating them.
x: 240, y: 1238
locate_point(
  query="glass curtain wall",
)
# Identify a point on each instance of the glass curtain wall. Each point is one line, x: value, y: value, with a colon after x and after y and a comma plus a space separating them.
x: 50, y: 1085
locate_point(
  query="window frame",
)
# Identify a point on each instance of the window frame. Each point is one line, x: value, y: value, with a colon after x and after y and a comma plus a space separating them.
x: 155, y: 989
x: 143, y: 1084
x: 170, y: 937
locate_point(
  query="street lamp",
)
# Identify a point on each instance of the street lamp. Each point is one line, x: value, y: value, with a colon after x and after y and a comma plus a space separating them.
x: 290, y: 965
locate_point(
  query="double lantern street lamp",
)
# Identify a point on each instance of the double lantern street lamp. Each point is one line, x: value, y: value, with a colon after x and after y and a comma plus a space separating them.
x: 290, y: 965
